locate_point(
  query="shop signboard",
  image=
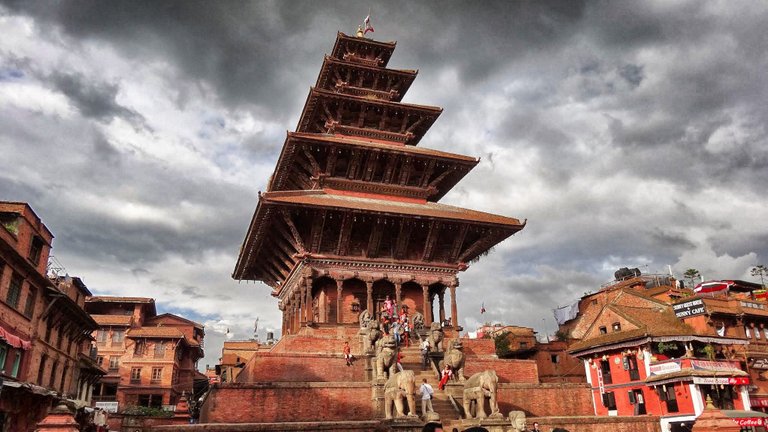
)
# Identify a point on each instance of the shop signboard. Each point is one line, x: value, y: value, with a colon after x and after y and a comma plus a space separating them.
x: 689, y: 308
x: 750, y: 421
x: 665, y: 368
x: 110, y: 407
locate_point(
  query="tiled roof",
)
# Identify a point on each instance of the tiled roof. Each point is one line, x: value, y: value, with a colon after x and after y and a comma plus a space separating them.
x: 156, y: 332
x: 429, y: 209
x: 241, y: 345
x: 116, y: 320
x: 381, y: 146
x: 650, y: 321
x: 175, y: 318
x: 113, y: 299
x: 690, y: 373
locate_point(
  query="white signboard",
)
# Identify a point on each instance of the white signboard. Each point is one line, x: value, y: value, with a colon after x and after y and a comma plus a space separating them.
x: 665, y: 368
x: 110, y: 407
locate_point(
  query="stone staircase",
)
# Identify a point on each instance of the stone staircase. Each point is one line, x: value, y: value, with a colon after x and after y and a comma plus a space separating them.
x: 440, y: 403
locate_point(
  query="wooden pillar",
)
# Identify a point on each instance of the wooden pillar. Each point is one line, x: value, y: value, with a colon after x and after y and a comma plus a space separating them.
x: 339, y: 289
x: 284, y: 308
x: 441, y: 296
x: 369, y: 293
x: 310, y: 315
x: 454, y: 308
x: 427, y: 306
x: 398, y: 300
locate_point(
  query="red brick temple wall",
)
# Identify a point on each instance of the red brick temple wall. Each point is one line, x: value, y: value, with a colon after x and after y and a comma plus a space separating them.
x: 288, y: 402
x: 544, y: 400
x: 508, y: 371
x: 294, y: 367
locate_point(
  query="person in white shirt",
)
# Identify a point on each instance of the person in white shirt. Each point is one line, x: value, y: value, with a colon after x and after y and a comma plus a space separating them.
x: 424, y: 354
x: 426, y: 397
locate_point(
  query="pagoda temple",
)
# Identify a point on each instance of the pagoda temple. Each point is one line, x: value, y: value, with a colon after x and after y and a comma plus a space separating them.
x: 351, y: 212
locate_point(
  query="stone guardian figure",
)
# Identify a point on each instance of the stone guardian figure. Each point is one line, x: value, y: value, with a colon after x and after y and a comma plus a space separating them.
x: 400, y: 386
x: 478, y: 387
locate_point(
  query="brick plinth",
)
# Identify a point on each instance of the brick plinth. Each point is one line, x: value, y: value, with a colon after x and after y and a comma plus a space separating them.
x: 546, y: 399
x: 288, y: 402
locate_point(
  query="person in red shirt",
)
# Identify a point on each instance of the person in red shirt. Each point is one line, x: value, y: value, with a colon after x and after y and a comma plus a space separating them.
x: 445, y: 375
x: 347, y: 354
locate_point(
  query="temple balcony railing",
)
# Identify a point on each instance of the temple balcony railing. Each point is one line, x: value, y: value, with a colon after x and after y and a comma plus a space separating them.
x: 366, y: 92
x: 352, y: 131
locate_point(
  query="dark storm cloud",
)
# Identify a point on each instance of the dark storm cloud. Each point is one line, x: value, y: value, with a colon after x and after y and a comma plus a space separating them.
x: 620, y: 129
x: 93, y: 100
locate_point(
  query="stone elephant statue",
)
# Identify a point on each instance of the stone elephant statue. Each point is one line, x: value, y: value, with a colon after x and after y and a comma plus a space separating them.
x: 454, y: 357
x: 400, y: 386
x: 386, y: 359
x: 476, y: 389
x: 435, y: 337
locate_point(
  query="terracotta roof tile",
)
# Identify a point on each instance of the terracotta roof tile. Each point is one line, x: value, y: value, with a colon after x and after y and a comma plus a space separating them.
x: 241, y: 345
x: 113, y: 299
x: 117, y: 320
x: 156, y: 332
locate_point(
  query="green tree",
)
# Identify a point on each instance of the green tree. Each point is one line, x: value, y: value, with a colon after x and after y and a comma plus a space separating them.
x: 762, y: 271
x: 691, y: 275
x: 501, y: 341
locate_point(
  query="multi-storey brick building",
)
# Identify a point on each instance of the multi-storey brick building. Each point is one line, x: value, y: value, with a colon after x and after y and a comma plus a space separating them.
x: 653, y: 348
x: 234, y: 355
x: 151, y: 359
x: 45, y: 341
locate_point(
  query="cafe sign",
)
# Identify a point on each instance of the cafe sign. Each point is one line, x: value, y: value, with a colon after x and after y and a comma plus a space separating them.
x: 689, y: 308
x: 750, y: 421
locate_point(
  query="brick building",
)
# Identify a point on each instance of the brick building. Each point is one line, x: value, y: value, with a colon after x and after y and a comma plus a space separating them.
x: 151, y: 359
x: 651, y: 348
x: 45, y: 345
x: 234, y: 355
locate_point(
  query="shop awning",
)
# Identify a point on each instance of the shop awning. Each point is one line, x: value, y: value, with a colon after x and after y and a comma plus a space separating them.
x: 14, y: 340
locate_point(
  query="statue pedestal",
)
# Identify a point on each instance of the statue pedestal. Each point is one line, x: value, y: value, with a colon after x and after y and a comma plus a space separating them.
x: 499, y: 424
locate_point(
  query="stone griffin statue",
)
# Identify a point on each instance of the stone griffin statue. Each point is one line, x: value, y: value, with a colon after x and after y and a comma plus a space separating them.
x: 454, y: 357
x: 435, y: 337
x: 364, y: 319
x: 418, y: 321
x: 476, y: 389
x: 386, y: 359
x: 517, y: 418
x: 400, y: 386
x: 371, y: 334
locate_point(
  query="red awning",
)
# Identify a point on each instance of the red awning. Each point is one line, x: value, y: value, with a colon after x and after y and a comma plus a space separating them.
x: 14, y: 340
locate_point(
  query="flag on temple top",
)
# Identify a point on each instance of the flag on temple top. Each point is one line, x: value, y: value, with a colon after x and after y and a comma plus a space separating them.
x: 368, y: 26
x: 482, y: 308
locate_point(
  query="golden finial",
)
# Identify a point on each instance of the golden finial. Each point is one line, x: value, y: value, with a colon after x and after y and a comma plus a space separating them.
x: 360, y: 32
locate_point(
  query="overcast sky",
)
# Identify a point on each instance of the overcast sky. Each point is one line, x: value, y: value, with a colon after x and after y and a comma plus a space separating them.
x: 627, y: 133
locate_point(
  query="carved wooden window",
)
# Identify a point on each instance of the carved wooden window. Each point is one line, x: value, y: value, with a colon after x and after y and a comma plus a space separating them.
x: 135, y: 375
x: 157, y: 374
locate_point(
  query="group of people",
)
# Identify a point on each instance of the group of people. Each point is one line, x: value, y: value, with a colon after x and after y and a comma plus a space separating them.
x: 398, y: 326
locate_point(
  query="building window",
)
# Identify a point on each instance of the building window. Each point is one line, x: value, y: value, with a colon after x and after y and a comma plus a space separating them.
x: 157, y: 374
x: 16, y: 364
x: 605, y: 368
x: 159, y: 350
x: 14, y: 291
x: 61, y: 334
x: 609, y: 401
x: 36, y: 250
x: 138, y: 349
x: 523, y: 345
x: 616, y: 326
x: 114, y: 363
x: 151, y: 400
x: 100, y: 360
x: 630, y: 364
x: 117, y: 337
x: 175, y: 377
x: 29, y: 307
x: 135, y: 375
x: 555, y: 358
x: 52, y: 379
x: 3, y: 355
x: 667, y: 394
x: 101, y: 337
x: 43, y: 360
x: 603, y: 330
x: 63, y: 378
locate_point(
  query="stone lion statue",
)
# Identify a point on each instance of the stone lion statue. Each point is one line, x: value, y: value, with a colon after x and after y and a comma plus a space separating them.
x: 478, y: 387
x: 454, y: 357
x: 517, y: 418
x: 418, y: 321
x: 400, y: 386
x: 435, y: 337
x: 371, y: 335
x: 386, y: 359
